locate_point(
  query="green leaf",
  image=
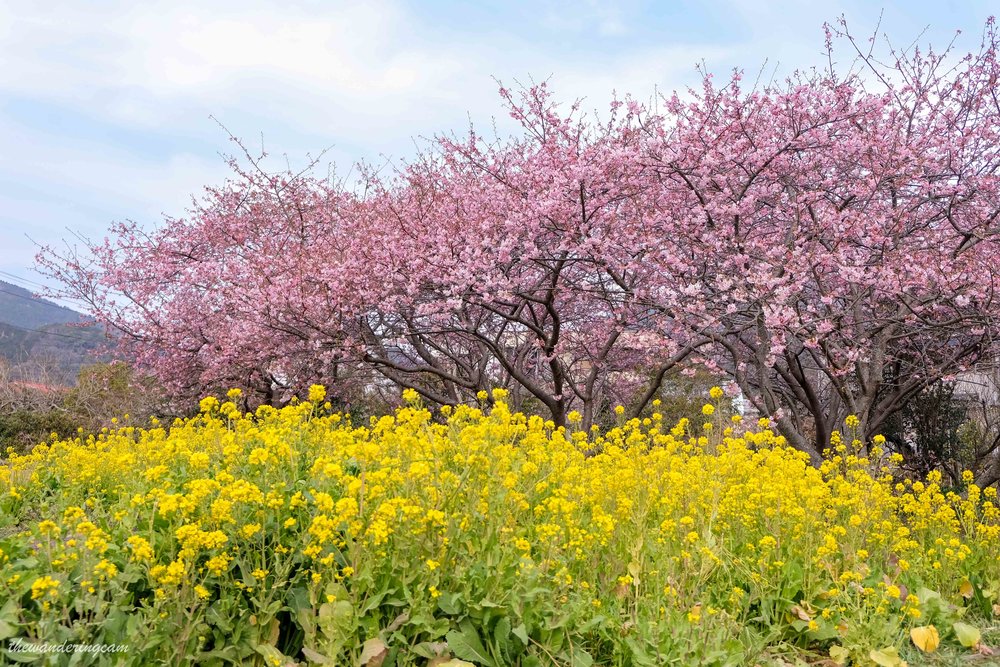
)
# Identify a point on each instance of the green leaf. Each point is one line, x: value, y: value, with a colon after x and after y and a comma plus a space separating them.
x: 335, y: 617
x: 7, y: 630
x: 828, y: 631
x: 297, y: 599
x: 968, y: 635
x: 337, y: 625
x: 639, y: 654
x: 465, y: 644
x: 521, y: 633
x: 926, y: 594
x: 430, y: 650
x: 439, y: 628
x: 246, y: 573
x: 581, y: 658
x: 374, y: 600
x: 9, y: 610
x: 887, y: 657
x: 29, y: 563
x: 217, y: 618
x: 450, y: 603
x: 501, y: 635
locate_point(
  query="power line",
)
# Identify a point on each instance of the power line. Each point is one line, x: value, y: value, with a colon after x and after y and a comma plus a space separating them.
x: 33, y: 299
x: 47, y: 333
x: 41, y: 331
x: 20, y: 296
x: 31, y: 285
x: 23, y: 280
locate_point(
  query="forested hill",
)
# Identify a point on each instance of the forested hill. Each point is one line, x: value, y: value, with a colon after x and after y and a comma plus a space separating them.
x: 36, y: 332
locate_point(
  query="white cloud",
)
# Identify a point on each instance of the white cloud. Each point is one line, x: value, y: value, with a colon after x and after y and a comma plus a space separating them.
x: 364, y: 65
x: 604, y: 18
x: 165, y: 51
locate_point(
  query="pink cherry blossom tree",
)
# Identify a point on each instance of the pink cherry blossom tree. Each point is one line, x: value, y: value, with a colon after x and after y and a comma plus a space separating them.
x: 512, y: 263
x: 518, y: 263
x: 839, y: 232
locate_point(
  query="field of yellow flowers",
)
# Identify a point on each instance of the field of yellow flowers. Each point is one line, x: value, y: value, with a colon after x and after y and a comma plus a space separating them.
x: 484, y: 537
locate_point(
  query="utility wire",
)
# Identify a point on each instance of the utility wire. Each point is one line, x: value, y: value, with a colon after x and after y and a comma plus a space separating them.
x: 33, y: 299
x: 40, y: 331
x: 23, y: 280
x: 31, y: 285
x: 36, y: 300
x: 47, y: 333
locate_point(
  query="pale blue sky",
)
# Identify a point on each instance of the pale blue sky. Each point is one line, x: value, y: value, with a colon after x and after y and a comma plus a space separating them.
x: 104, y: 106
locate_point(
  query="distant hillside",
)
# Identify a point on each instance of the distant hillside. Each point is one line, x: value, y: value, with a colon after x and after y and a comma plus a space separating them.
x: 35, y: 331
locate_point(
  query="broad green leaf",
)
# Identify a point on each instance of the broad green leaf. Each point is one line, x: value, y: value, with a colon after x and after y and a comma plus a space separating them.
x: 430, y: 650
x: 337, y: 626
x: 450, y: 603
x: 335, y: 618
x: 639, y: 654
x: 7, y: 630
x: 887, y: 657
x: 23, y: 658
x: 9, y: 609
x: 465, y: 644
x: 968, y: 635
x: 246, y: 573
x: 581, y: 658
x: 929, y: 597
x: 297, y: 599
x: 521, y: 633
x: 335, y: 590
x: 591, y: 623
x: 800, y: 626
x: 502, y: 637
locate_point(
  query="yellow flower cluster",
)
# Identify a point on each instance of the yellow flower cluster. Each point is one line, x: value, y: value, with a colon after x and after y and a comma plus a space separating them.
x: 44, y: 587
x: 642, y: 530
